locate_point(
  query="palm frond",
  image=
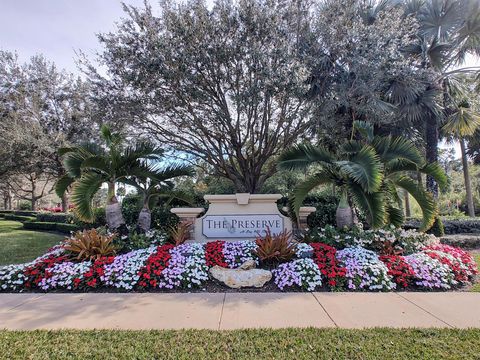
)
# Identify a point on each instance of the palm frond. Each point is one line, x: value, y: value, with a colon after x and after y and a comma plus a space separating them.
x: 62, y: 185
x: 84, y: 190
x: 372, y: 204
x: 395, y: 216
x: 364, y: 168
x: 303, y: 155
x: 424, y: 199
x: 302, y: 190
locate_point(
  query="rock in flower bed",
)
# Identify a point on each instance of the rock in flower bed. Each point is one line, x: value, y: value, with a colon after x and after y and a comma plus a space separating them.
x: 405, y: 260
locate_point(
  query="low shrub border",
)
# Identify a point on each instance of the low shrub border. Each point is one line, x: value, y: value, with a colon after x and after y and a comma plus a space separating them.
x: 50, y: 226
x: 54, y: 217
x: 20, y: 218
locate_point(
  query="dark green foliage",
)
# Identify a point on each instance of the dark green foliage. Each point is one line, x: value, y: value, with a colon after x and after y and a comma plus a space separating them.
x: 25, y: 205
x: 24, y: 213
x: 452, y: 227
x: 55, y: 217
x: 131, y: 206
x: 437, y: 228
x: 99, y: 219
x: 67, y: 228
x: 326, y: 206
x: 38, y: 225
x: 163, y: 219
x: 19, y: 218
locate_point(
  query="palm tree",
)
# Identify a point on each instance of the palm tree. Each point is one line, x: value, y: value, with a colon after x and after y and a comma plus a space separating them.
x: 462, y: 123
x: 159, y: 185
x: 369, y: 172
x: 90, y: 166
x: 449, y: 31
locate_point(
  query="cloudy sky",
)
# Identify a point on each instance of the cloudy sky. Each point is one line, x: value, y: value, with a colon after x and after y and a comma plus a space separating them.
x: 56, y: 28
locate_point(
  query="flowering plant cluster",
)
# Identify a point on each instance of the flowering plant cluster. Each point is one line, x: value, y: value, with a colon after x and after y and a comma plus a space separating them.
x: 186, y: 266
x: 214, y: 254
x: 303, y: 273
x: 430, y: 273
x: 400, y: 271
x: 324, y: 257
x: 156, y: 263
x: 461, y: 262
x: 365, y: 271
x: 229, y: 254
x: 400, y: 241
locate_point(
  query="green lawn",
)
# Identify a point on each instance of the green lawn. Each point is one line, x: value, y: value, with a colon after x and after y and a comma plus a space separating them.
x: 476, y: 287
x: 18, y: 245
x: 243, y: 344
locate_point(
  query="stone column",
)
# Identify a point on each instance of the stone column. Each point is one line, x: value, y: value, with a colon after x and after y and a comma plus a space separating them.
x: 188, y: 215
x: 302, y: 216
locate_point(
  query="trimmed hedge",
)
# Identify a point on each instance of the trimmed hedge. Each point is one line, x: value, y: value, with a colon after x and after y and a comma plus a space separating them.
x: 50, y: 226
x: 61, y: 218
x: 452, y: 227
x: 19, y: 218
x: 67, y: 228
x: 38, y: 225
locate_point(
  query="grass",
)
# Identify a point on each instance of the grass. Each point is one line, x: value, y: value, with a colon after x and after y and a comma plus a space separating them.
x: 243, y: 344
x: 18, y: 245
x: 476, y: 287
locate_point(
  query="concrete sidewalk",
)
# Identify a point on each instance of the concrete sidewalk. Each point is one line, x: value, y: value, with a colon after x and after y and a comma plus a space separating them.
x: 238, y: 310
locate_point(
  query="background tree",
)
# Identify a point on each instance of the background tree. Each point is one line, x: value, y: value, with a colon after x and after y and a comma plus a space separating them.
x: 224, y: 85
x: 42, y: 109
x: 449, y: 31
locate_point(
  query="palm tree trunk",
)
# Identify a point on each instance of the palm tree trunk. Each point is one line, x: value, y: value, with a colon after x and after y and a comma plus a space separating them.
x: 466, y: 175
x: 432, y: 150
x: 64, y: 203
x: 344, y: 214
x: 113, y: 210
x: 144, y: 218
x: 407, y: 204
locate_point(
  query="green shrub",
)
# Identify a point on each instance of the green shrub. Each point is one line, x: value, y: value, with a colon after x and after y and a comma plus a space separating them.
x: 163, y: 219
x: 54, y: 217
x: 326, y: 206
x: 37, y: 225
x: 25, y: 213
x: 25, y: 205
x: 131, y: 206
x: 437, y: 228
x: 100, y: 219
x: 19, y: 218
x: 67, y: 228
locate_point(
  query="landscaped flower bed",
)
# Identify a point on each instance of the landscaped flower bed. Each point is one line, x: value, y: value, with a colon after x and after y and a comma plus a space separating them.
x: 315, y: 266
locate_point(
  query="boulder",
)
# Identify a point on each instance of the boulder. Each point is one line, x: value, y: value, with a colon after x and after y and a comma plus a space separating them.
x: 245, y: 276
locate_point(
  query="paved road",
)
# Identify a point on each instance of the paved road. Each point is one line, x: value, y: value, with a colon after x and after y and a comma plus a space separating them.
x: 239, y: 310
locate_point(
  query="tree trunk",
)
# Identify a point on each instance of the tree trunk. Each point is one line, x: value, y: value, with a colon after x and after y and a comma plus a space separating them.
x: 407, y: 204
x: 64, y: 203
x: 144, y: 219
x: 113, y: 210
x: 33, y: 199
x: 344, y: 214
x: 466, y: 175
x: 432, y: 150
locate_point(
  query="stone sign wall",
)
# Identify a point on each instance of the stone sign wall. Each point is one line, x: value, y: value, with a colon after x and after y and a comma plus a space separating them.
x: 237, y: 216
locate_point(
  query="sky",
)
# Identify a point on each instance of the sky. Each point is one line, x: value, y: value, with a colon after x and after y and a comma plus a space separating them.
x: 57, y: 28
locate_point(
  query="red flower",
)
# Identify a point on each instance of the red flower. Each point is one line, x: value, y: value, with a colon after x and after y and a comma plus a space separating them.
x: 156, y: 263
x: 214, y: 254
x: 401, y: 272
x: 324, y: 257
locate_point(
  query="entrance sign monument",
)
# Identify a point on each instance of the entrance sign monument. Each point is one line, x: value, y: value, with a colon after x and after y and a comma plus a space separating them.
x: 238, y: 216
